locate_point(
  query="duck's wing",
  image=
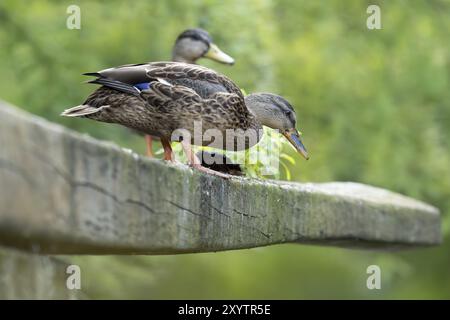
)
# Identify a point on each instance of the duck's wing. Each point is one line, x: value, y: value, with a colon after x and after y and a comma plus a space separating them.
x: 202, y: 80
x: 221, y: 111
x: 129, y: 73
x: 160, y: 94
x: 205, y: 82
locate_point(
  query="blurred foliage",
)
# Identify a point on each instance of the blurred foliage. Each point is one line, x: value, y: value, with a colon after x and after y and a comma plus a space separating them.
x: 374, y: 107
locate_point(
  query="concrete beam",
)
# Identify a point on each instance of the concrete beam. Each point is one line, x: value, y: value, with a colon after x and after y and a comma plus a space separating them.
x: 62, y: 192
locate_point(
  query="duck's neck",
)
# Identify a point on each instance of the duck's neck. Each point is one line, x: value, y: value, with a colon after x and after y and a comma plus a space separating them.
x: 178, y: 58
x: 259, y: 111
x: 251, y: 120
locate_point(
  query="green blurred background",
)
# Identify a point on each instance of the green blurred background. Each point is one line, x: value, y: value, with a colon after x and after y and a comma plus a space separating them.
x: 374, y: 106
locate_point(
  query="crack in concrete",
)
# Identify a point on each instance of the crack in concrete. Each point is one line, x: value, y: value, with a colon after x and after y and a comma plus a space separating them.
x: 218, y: 211
x: 186, y: 209
x: 93, y: 186
x: 244, y: 214
x: 73, y: 183
x: 103, y: 191
x: 86, y: 184
x: 267, y: 235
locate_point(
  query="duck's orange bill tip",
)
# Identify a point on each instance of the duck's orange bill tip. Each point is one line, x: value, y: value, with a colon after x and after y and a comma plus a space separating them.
x: 294, y: 138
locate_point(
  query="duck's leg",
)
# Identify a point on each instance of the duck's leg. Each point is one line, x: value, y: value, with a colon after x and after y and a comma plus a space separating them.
x: 149, y: 142
x: 168, y: 153
x: 195, y: 162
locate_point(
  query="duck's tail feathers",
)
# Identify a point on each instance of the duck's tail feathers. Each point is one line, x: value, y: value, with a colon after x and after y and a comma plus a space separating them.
x: 117, y: 85
x: 81, y: 110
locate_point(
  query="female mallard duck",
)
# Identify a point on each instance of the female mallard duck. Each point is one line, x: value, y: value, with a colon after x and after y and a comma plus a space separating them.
x: 190, y: 46
x: 187, y: 103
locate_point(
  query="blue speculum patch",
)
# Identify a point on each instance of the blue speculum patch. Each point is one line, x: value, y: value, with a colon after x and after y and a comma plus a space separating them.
x: 142, y: 86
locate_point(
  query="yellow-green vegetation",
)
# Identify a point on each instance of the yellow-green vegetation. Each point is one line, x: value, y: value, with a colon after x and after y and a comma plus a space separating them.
x: 374, y: 107
x: 266, y: 160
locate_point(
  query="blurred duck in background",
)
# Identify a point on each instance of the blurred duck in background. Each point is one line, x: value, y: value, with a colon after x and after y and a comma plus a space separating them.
x: 193, y: 44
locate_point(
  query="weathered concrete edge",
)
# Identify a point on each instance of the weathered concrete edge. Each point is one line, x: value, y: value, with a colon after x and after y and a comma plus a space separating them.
x: 302, y: 223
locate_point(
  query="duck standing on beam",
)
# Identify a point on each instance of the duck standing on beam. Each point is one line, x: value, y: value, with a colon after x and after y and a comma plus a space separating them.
x: 161, y: 97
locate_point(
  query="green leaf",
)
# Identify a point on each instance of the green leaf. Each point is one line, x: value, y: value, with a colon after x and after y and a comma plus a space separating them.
x: 288, y: 158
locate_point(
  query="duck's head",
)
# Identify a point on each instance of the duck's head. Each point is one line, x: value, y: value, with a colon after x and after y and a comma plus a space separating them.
x: 274, y: 111
x: 193, y: 44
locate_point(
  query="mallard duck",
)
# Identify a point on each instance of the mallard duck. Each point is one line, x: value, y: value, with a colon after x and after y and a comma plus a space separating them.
x: 160, y: 98
x: 190, y: 46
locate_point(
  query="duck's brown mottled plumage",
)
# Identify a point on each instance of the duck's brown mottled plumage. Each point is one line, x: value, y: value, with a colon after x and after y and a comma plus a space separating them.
x: 196, y: 77
x: 161, y: 98
x: 179, y: 95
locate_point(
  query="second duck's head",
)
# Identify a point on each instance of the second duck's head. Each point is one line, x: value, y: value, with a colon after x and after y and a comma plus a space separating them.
x: 193, y: 44
x: 275, y: 112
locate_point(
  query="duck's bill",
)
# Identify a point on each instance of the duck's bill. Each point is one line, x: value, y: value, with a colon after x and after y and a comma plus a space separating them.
x: 214, y: 53
x: 294, y: 138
